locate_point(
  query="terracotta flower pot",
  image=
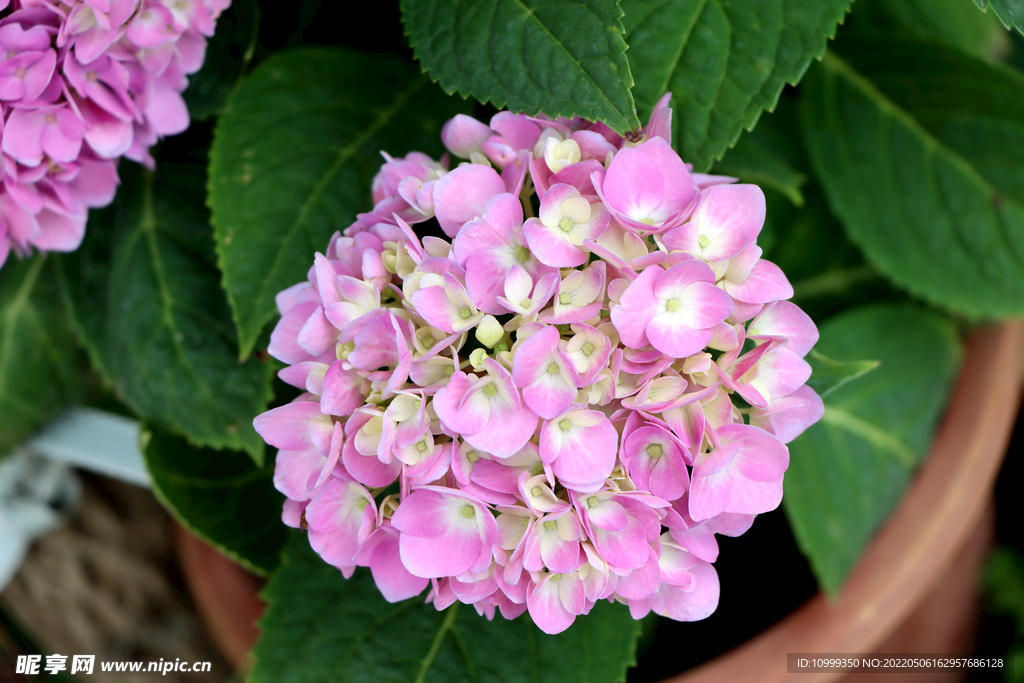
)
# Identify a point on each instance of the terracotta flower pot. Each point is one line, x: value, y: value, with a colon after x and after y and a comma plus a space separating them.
x: 913, y: 590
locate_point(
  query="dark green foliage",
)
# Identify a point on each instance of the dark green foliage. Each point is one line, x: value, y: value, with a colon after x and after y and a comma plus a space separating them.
x: 1010, y: 12
x: 559, y: 58
x: 37, y: 348
x: 148, y: 305
x: 848, y: 471
x: 938, y: 220
x: 724, y: 62
x: 321, y: 628
x: 292, y: 160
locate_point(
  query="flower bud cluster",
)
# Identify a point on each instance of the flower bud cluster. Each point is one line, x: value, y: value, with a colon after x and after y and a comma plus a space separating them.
x: 83, y: 83
x: 564, y: 401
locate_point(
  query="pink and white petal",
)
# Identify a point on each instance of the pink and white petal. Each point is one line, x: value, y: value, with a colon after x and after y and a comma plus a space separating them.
x: 607, y: 515
x: 533, y: 356
x: 626, y: 549
x: 587, y: 454
x: 507, y: 432
x: 342, y: 391
x: 669, y: 334
x: 448, y: 398
x: 284, y: 344
x: 634, y: 184
x: 368, y: 470
x: 429, y: 514
x: 791, y: 423
x: 703, y: 305
x: 637, y: 305
x: 462, y: 195
x: 673, y: 282
x: 394, y: 581
x: 691, y: 604
x: 558, y: 555
x: 435, y: 558
x: 287, y: 427
x: 730, y: 217
x: 433, y: 305
x: 765, y: 283
x: 785, y: 320
x: 546, y: 608
x: 698, y: 540
x: 550, y: 395
x: 731, y: 524
x: 294, y: 471
x: 668, y: 477
x: 485, y: 280
x: 553, y: 247
x: 782, y: 372
x: 643, y: 582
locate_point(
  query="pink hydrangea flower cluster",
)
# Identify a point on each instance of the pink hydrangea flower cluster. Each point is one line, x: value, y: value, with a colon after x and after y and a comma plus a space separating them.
x: 83, y: 83
x: 561, y: 404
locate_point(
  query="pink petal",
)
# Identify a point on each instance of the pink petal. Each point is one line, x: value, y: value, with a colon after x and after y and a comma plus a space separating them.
x: 546, y: 608
x: 462, y: 195
x: 637, y: 305
x: 669, y: 335
x: 785, y: 320
x: 287, y: 427
x: 392, y: 578
x: 765, y: 283
x: 506, y: 433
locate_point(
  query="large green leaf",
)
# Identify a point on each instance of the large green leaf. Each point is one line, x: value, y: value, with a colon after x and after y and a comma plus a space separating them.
x: 954, y: 22
x: 551, y: 56
x: 37, y: 347
x: 939, y: 213
x: 148, y: 304
x: 848, y: 471
x: 1010, y: 12
x: 724, y: 61
x: 293, y: 155
x: 972, y: 107
x: 219, y: 495
x: 321, y: 628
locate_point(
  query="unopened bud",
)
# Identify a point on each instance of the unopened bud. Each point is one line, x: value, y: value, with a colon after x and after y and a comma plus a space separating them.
x: 489, y: 332
x: 477, y: 358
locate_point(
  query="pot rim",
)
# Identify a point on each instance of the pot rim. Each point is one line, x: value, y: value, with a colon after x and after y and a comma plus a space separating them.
x: 913, y: 548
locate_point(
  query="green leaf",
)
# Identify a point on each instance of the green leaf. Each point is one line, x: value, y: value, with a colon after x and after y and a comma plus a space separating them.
x: 972, y: 107
x: 915, y: 203
x: 1010, y: 12
x: 953, y: 22
x: 1004, y: 584
x: 218, y: 495
x: 36, y: 349
x: 148, y: 305
x: 559, y: 58
x: 293, y: 156
x: 321, y: 628
x: 755, y: 159
x: 724, y: 62
x: 827, y: 375
x: 849, y: 471
x: 227, y: 56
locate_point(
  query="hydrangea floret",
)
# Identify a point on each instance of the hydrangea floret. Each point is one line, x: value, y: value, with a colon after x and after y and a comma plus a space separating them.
x: 566, y: 400
x: 83, y: 83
